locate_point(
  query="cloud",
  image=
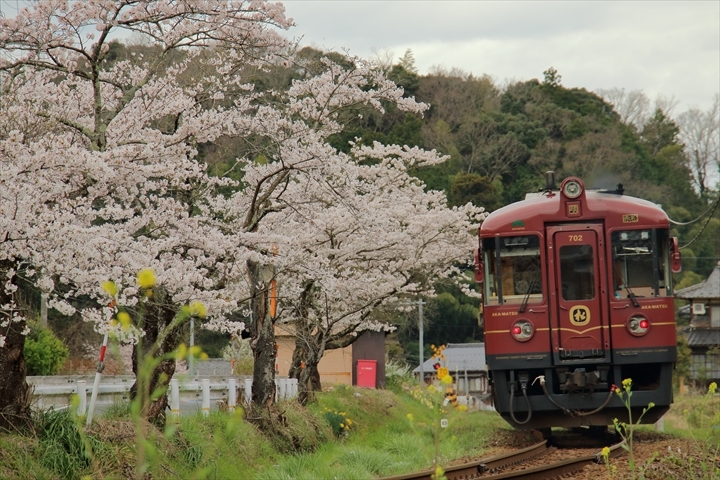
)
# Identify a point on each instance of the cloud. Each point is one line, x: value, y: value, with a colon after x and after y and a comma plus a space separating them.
x: 670, y: 48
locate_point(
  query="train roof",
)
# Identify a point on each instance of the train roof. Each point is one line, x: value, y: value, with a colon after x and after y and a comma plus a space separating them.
x: 553, y: 207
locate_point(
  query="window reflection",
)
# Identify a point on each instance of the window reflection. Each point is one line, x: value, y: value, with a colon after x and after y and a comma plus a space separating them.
x: 518, y: 277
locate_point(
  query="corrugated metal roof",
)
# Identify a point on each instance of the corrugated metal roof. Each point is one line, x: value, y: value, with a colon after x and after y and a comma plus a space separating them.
x: 460, y: 356
x: 710, y: 288
x: 700, y: 337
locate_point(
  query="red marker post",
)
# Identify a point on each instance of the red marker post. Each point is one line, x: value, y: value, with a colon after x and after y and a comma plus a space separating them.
x: 98, y: 374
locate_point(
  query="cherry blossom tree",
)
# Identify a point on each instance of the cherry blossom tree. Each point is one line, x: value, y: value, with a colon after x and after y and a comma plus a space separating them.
x: 364, y: 232
x: 99, y: 158
x: 102, y: 178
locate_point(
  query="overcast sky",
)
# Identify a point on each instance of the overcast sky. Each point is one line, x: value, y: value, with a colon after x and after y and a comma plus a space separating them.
x: 668, y: 47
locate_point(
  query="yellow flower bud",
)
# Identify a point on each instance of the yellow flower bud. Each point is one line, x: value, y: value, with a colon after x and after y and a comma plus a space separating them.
x: 181, y: 352
x: 124, y: 319
x: 146, y: 278
x: 447, y: 379
x: 198, y: 309
x: 110, y: 288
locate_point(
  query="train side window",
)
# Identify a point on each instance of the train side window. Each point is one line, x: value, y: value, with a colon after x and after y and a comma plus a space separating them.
x: 635, y: 254
x: 577, y: 272
x: 515, y: 277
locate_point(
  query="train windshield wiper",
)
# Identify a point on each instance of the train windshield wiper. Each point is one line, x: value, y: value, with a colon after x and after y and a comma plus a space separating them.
x: 631, y: 296
x: 533, y: 280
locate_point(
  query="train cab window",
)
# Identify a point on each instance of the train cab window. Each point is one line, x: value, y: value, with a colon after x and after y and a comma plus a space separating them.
x: 641, y: 265
x: 577, y: 272
x: 514, y: 276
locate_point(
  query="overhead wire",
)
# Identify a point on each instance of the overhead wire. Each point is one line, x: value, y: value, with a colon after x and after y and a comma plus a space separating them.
x: 709, y: 217
x: 711, y: 207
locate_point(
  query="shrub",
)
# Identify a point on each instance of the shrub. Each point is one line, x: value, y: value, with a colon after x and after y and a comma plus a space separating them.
x: 44, y: 352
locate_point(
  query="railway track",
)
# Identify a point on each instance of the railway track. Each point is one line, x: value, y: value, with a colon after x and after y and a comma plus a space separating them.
x: 490, y: 468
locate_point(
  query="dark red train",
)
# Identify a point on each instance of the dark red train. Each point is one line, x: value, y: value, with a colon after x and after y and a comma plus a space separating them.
x: 577, y: 297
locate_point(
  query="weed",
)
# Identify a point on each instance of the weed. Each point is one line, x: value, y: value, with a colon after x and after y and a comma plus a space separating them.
x: 62, y: 444
x: 626, y: 430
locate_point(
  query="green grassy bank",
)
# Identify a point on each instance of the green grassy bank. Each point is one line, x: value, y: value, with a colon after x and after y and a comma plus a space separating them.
x: 346, y: 433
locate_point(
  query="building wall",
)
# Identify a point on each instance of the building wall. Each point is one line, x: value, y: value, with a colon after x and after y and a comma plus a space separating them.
x: 336, y: 365
x: 370, y: 346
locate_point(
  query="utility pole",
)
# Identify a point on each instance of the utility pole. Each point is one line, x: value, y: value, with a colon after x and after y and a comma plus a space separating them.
x: 421, y: 322
x: 43, y: 308
x: 422, y: 345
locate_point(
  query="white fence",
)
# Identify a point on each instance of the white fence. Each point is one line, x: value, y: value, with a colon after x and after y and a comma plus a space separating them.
x: 58, y: 391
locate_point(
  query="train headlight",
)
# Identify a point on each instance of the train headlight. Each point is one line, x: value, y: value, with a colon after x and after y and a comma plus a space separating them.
x: 572, y: 189
x: 638, y: 325
x: 522, y: 330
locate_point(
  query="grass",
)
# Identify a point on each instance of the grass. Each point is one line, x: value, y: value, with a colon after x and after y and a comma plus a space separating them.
x: 381, y: 441
x: 391, y: 432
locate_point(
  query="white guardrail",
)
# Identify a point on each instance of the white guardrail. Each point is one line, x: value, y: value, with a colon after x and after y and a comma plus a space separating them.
x: 58, y: 391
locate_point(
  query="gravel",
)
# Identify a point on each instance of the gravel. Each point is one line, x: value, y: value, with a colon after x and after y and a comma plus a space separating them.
x: 656, y: 456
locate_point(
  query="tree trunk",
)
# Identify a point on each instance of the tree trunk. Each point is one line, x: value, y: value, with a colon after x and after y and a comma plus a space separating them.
x: 262, y: 337
x: 304, y: 367
x: 298, y: 359
x: 157, y: 316
x: 14, y: 390
x: 309, y: 382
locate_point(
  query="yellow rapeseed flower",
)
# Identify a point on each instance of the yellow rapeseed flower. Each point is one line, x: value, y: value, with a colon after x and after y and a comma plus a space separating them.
x: 195, y: 351
x: 110, y: 287
x: 146, y: 278
x: 198, y: 309
x: 447, y: 379
x: 627, y: 383
x: 124, y: 319
x: 605, y: 452
x: 181, y: 352
x: 712, y: 387
x: 410, y: 417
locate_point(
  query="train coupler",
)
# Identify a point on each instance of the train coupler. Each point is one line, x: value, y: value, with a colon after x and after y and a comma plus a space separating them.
x: 581, y: 379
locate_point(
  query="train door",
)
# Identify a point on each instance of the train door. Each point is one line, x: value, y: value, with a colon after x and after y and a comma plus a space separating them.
x: 576, y: 255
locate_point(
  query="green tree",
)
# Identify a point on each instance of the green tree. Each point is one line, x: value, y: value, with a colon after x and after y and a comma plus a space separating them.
x: 473, y: 188
x: 44, y: 352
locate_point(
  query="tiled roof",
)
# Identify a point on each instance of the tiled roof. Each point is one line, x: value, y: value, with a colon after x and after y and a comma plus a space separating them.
x: 699, y: 337
x: 460, y: 356
x: 710, y: 288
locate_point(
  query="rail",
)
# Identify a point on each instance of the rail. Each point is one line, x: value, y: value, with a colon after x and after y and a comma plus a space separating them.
x: 485, y: 468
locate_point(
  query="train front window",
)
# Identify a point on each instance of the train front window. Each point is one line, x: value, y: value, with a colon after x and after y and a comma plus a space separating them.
x: 641, y: 264
x: 514, y: 276
x: 577, y: 272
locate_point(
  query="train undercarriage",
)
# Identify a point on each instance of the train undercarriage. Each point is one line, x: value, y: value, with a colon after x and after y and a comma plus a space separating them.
x: 581, y: 395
